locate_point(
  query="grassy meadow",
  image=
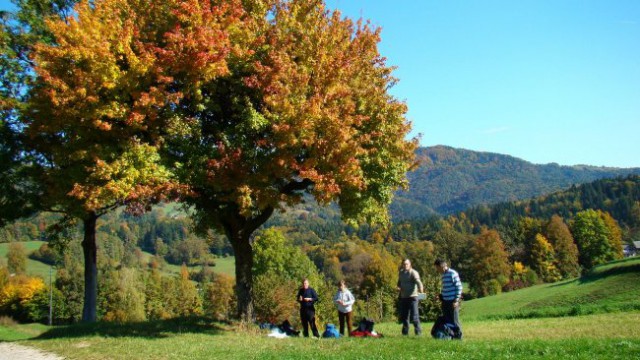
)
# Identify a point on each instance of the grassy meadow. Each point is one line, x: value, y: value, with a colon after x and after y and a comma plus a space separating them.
x: 613, y: 287
x: 223, y: 265
x: 34, y: 267
x: 595, y: 317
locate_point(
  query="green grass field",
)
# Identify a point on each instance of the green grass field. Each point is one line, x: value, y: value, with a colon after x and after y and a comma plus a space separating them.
x: 226, y: 265
x: 535, y: 323
x: 223, y: 265
x: 601, y: 336
x: 608, y: 288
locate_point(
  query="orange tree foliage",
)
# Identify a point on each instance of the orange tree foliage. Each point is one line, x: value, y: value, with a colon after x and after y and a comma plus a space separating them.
x: 92, y: 118
x: 565, y: 247
x: 93, y: 108
x: 254, y: 102
x: 303, y: 107
x: 490, y: 269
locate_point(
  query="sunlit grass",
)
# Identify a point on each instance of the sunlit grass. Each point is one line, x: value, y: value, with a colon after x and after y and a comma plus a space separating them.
x: 602, y: 336
x: 610, y: 288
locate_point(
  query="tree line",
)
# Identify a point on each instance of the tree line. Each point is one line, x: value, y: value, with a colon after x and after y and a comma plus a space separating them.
x: 518, y: 254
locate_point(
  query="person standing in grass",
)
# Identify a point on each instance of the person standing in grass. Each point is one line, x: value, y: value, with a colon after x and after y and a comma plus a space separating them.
x: 307, y: 297
x: 409, y: 285
x: 344, y: 302
x: 451, y: 294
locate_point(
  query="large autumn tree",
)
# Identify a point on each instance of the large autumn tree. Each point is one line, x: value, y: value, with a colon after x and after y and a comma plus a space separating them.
x: 303, y: 108
x: 254, y: 102
x: 90, y: 120
x: 20, y: 30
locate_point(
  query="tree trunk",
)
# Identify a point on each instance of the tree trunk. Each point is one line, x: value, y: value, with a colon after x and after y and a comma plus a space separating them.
x: 244, y: 277
x: 90, y: 269
x: 239, y: 230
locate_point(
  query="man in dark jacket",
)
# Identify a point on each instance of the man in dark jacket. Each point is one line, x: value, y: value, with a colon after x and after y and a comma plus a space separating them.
x: 307, y: 297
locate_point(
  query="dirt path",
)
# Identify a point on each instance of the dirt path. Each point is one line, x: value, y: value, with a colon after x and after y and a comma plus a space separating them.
x: 9, y: 351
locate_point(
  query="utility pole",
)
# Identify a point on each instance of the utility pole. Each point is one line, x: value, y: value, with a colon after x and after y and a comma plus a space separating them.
x: 50, y: 295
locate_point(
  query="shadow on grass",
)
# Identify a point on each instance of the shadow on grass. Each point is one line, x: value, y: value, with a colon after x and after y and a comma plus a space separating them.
x: 149, y: 329
x: 615, y: 270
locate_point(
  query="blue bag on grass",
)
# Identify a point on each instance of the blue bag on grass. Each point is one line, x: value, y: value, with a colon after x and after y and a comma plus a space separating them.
x: 330, y: 332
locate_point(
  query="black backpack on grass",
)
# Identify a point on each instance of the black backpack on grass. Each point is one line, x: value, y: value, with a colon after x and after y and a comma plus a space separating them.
x: 366, y: 325
x: 286, y: 328
x: 445, y: 331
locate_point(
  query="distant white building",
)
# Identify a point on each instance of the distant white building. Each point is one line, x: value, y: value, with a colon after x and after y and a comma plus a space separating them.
x: 631, y: 250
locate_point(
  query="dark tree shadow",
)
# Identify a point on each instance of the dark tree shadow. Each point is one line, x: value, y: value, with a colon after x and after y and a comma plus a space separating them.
x: 616, y: 270
x: 148, y: 329
x: 597, y: 274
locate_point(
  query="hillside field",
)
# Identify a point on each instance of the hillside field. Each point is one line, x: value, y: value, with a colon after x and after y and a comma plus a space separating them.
x: 614, y: 287
x: 224, y: 265
x: 34, y: 267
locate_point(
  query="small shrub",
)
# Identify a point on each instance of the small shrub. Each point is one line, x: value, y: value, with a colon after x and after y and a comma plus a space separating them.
x: 219, y: 299
x: 7, y: 321
x: 17, y: 293
x: 492, y: 287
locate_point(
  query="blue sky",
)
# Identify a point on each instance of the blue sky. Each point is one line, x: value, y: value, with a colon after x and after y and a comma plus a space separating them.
x: 542, y: 80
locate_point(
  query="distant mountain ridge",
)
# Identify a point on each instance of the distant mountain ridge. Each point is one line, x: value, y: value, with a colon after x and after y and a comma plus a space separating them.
x: 449, y: 180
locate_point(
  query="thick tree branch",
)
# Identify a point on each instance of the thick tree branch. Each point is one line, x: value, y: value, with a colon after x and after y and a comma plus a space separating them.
x: 294, y: 186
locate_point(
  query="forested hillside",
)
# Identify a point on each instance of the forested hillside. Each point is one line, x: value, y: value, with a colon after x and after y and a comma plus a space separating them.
x: 620, y: 197
x: 449, y: 180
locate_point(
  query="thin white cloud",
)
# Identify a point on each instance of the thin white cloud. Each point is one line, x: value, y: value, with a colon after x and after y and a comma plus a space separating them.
x: 496, y: 130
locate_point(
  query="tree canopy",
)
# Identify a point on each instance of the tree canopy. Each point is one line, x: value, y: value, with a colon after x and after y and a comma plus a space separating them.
x: 302, y: 106
x: 240, y: 106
